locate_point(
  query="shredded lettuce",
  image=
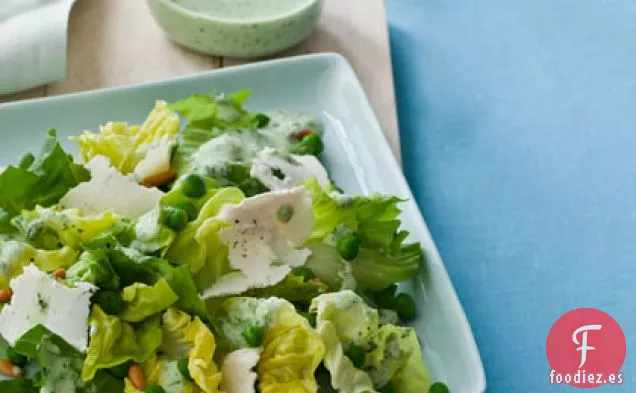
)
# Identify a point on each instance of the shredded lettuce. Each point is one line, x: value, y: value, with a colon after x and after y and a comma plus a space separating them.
x: 38, y: 180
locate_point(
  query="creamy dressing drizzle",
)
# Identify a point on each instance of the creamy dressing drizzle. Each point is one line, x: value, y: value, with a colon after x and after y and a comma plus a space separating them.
x: 242, y: 145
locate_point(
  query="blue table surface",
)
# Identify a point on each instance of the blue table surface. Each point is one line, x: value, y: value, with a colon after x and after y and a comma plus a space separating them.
x: 518, y: 124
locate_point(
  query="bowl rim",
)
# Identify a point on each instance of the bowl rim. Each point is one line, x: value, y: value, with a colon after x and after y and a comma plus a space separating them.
x: 199, y: 15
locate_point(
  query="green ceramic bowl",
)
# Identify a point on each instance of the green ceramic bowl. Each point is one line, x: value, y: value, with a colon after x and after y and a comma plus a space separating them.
x: 237, y: 28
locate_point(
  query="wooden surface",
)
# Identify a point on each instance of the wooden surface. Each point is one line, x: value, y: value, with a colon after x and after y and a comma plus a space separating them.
x: 116, y: 42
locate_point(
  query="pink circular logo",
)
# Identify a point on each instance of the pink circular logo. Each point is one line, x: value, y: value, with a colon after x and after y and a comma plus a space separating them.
x: 586, y: 348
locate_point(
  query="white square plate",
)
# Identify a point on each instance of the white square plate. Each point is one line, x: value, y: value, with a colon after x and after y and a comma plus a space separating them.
x: 356, y: 154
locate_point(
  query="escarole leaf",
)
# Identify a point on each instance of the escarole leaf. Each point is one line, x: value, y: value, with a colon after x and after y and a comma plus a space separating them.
x: 38, y: 180
x: 384, y: 256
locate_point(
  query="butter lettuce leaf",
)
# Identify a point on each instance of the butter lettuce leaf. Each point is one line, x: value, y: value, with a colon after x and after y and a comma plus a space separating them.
x: 127, y: 145
x: 189, y: 337
x: 15, y: 255
x: 198, y: 246
x: 235, y: 314
x: 389, y: 353
x: 93, y: 267
x: 342, y: 320
x: 142, y: 301
x: 54, y: 227
x: 163, y: 371
x: 114, y: 342
x: 149, y: 234
x: 354, y: 321
x: 392, y: 353
x: 173, y: 327
x: 38, y: 180
x: 201, y: 365
x: 291, y: 352
x: 413, y: 376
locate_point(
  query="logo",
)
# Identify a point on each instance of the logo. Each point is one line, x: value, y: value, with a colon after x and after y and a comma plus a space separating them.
x: 586, y: 348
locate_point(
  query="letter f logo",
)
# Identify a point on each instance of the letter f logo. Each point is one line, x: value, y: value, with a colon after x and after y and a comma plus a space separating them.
x: 583, y: 344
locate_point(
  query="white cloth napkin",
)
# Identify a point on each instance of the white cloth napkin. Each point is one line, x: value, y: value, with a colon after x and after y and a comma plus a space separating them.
x: 33, y: 35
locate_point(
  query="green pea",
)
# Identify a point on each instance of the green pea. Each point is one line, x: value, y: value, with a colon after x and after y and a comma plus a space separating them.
x: 386, y: 297
x: 182, y: 365
x: 110, y: 301
x: 285, y: 213
x: 405, y: 307
x: 262, y: 120
x: 348, y: 247
x: 189, y: 209
x: 388, y: 388
x: 120, y: 371
x: 311, y: 144
x: 15, y: 358
x: 176, y: 218
x: 193, y: 186
x: 438, y: 387
x: 304, y: 272
x: 154, y: 389
x: 357, y: 355
x: 253, y: 335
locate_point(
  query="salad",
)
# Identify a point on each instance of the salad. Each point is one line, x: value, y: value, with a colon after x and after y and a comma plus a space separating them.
x: 206, y: 250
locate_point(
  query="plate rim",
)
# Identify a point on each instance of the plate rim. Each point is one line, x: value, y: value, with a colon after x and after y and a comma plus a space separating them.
x: 331, y: 59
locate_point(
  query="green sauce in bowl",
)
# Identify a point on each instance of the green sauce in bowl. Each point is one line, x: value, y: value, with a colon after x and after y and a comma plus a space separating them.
x: 237, y: 28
